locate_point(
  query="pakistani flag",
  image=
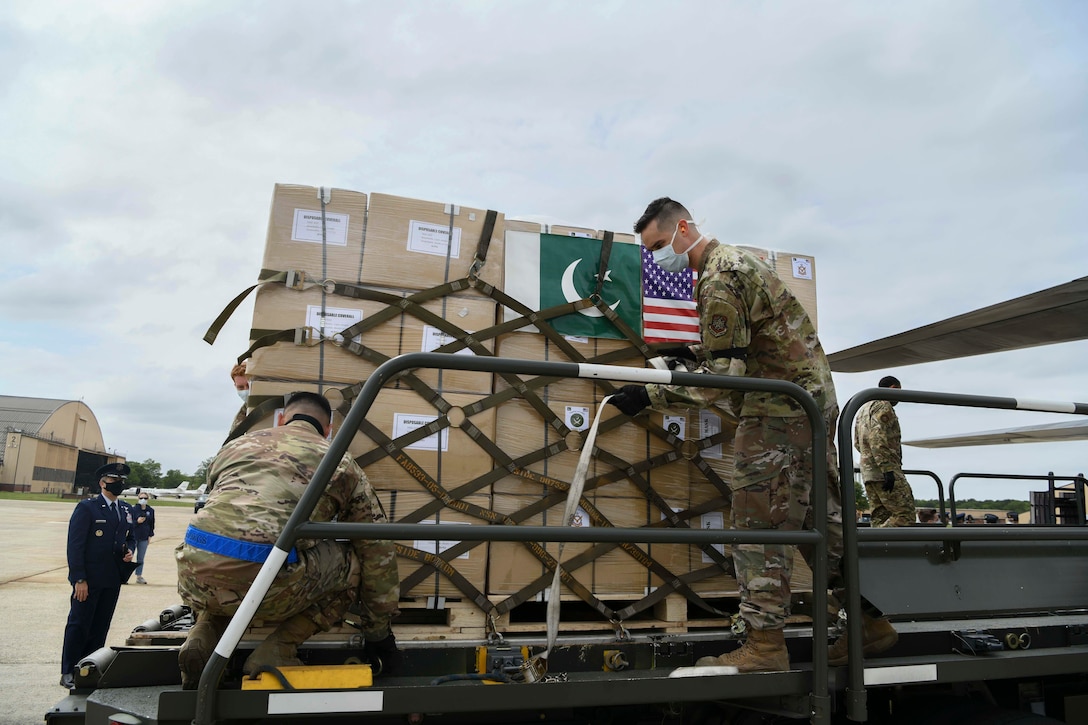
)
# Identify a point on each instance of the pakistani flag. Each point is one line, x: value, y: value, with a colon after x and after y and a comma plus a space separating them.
x: 545, y: 270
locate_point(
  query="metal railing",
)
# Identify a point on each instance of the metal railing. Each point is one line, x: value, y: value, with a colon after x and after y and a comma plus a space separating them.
x: 856, y: 705
x: 299, y: 526
x: 930, y: 474
x: 1078, y: 495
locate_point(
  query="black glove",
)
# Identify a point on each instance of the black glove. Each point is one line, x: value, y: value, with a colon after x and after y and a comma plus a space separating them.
x: 683, y: 352
x: 383, y: 655
x: 889, y: 481
x: 631, y: 399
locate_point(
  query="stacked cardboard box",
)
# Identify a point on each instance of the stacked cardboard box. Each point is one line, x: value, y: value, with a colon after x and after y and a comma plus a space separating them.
x: 486, y: 454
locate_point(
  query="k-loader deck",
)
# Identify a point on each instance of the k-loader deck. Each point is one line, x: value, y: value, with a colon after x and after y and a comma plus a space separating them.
x: 992, y: 621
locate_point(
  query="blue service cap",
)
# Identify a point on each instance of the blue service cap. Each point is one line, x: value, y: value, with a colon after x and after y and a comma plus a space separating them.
x: 113, y: 469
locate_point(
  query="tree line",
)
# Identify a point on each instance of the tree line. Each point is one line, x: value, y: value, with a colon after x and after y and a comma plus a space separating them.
x: 148, y: 474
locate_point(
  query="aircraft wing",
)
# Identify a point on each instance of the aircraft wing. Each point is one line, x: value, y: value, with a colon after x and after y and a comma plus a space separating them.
x: 1049, y: 432
x: 1057, y: 314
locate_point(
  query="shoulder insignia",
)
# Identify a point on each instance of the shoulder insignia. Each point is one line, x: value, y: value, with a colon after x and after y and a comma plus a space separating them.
x: 718, y: 325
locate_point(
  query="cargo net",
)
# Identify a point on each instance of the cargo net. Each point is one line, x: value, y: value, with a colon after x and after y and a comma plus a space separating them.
x: 455, y: 448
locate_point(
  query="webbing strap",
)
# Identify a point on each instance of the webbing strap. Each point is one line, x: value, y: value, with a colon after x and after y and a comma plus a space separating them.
x: 257, y: 414
x: 570, y: 508
x: 296, y: 335
x: 482, y: 246
x: 292, y: 278
x: 602, y: 266
x: 443, y: 567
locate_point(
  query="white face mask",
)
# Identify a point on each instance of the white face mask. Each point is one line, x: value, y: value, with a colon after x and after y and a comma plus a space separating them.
x: 243, y: 394
x: 143, y: 502
x: 668, y: 259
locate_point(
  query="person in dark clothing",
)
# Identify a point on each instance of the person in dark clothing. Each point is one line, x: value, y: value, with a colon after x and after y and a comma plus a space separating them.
x: 100, y: 546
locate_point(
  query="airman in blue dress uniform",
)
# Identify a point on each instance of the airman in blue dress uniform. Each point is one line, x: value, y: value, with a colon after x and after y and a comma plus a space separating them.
x: 100, y: 546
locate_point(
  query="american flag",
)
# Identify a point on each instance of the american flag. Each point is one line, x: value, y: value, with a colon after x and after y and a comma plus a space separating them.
x: 668, y: 305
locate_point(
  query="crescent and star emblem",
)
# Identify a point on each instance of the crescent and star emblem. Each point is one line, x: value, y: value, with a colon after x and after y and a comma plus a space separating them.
x: 570, y: 292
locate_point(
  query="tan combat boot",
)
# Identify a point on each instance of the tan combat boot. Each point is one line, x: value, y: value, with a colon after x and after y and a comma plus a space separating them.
x: 763, y: 651
x: 198, y: 647
x: 280, y: 649
x: 877, y: 635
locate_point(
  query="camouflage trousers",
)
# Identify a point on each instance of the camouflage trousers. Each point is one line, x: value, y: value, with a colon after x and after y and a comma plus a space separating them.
x: 771, y: 487
x: 322, y: 584
x: 891, y: 508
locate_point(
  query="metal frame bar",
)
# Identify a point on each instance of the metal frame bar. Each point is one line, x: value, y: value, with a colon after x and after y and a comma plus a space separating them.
x: 1051, y: 478
x: 931, y: 474
x: 856, y: 705
x: 299, y: 519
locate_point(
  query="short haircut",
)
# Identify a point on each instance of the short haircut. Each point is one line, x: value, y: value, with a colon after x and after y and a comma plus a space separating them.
x: 665, y: 210
x: 309, y: 404
x: 889, y: 381
x: 238, y: 370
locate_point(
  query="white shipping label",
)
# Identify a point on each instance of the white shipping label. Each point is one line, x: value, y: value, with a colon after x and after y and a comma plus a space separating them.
x: 710, y: 425
x: 433, y: 338
x: 712, y: 520
x: 307, y: 227
x: 676, y: 425
x: 428, y: 238
x: 577, y: 417
x: 404, y: 423
x: 334, y: 321
x: 440, y: 546
x: 802, y: 268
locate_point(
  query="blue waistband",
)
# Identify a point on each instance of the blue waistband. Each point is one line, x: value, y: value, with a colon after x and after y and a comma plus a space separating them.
x: 235, y: 549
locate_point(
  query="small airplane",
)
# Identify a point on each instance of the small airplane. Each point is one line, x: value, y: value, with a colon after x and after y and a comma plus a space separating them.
x: 182, y: 491
x: 1054, y: 315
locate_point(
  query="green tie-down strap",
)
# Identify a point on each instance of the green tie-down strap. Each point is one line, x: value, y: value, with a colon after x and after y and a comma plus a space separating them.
x: 295, y: 279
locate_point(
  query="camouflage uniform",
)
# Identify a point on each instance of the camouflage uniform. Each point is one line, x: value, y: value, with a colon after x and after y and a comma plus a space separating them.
x: 879, y: 440
x: 255, y: 482
x: 239, y: 417
x: 752, y: 325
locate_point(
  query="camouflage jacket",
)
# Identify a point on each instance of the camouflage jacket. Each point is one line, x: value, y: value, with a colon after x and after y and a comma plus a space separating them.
x: 879, y: 440
x: 256, y: 480
x: 751, y: 325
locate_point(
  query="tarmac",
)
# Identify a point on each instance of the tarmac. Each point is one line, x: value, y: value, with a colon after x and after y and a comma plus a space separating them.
x: 34, y: 595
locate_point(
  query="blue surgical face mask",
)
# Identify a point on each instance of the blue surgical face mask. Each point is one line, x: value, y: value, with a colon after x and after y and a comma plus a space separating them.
x: 244, y: 395
x: 667, y: 257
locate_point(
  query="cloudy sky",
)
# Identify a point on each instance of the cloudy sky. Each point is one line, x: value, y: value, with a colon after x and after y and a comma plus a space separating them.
x: 932, y: 156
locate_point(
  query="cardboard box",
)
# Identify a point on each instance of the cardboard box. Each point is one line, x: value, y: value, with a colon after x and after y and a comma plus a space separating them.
x: 522, y: 430
x: 471, y: 564
x: 798, y: 271
x: 279, y: 308
x: 408, y: 243
x: 468, y: 314
x: 295, y: 240
x: 621, y: 572
x: 633, y: 444
x: 512, y: 566
x: 535, y: 346
x: 449, y: 457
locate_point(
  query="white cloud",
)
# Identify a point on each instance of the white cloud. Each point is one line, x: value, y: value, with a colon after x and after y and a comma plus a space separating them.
x: 931, y: 156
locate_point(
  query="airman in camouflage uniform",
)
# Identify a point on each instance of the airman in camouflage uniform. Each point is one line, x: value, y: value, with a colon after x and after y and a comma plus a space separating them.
x: 878, y: 439
x: 256, y: 481
x: 752, y: 325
